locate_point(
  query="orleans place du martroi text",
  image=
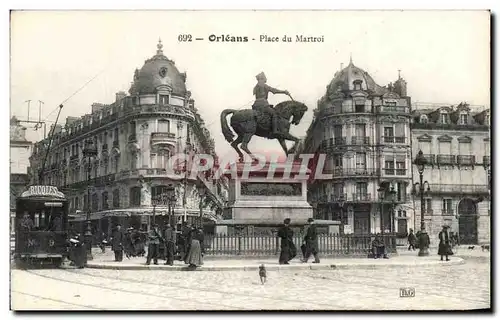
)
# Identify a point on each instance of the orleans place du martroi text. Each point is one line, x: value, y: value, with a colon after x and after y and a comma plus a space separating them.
x: 266, y: 38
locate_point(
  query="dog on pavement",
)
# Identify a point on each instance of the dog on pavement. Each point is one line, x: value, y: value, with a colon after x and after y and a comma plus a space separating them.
x: 262, y: 274
x: 485, y: 247
x: 471, y: 248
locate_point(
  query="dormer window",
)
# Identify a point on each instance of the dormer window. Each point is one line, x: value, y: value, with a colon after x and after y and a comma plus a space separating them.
x: 445, y: 118
x: 424, y: 119
x: 357, y: 85
x: 163, y: 99
x: 464, y: 118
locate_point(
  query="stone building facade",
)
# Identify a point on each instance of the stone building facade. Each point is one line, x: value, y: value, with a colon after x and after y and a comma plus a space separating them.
x: 20, y: 150
x: 135, y: 136
x: 364, y: 130
x: 456, y: 143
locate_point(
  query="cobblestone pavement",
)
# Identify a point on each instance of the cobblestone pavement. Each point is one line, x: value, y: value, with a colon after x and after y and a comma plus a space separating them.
x: 457, y: 287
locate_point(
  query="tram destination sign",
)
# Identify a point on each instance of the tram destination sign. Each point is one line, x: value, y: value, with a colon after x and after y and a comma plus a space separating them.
x: 43, y: 191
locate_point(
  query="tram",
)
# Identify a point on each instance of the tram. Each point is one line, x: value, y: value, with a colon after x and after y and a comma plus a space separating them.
x: 41, y: 226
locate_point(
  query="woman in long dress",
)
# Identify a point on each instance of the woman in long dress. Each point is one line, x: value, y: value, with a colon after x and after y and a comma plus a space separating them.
x: 194, y: 256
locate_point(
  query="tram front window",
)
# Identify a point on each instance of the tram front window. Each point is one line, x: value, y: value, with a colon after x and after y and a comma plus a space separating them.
x: 48, y: 219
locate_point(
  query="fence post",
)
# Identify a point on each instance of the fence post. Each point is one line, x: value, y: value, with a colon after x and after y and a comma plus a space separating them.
x: 239, y: 230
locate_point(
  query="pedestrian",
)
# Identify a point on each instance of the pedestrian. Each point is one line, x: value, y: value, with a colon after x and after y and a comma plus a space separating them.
x: 194, y: 256
x: 154, y: 243
x: 138, y: 243
x: 417, y: 235
x: 117, y: 242
x: 288, y: 249
x: 412, y: 239
x: 188, y: 234
x: 185, y: 229
x: 129, y: 243
x: 378, y: 247
x: 444, y: 248
x: 169, y: 244
x: 311, y: 241
x: 78, y: 254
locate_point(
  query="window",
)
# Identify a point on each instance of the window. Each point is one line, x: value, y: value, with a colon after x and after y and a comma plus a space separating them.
x: 163, y: 126
x: 338, y: 190
x: 400, y: 167
x: 361, y: 188
x: 85, y: 202
x: 116, y: 135
x: 337, y: 160
x: 389, y: 166
x: 117, y: 162
x: 95, y: 203
x: 447, y: 207
x: 359, y: 105
x: 133, y: 161
x: 105, y: 201
x: 388, y: 134
x: 153, y: 160
x: 399, y: 133
x: 401, y: 214
x: 445, y: 118
x: 157, y: 192
x: 360, y: 161
x: 135, y: 196
x: 132, y: 127
x: 163, y: 99
x: 357, y: 85
x: 464, y: 118
x: 337, y: 131
x: 428, y: 205
x: 105, y: 166
x: 116, y: 198
x: 134, y: 101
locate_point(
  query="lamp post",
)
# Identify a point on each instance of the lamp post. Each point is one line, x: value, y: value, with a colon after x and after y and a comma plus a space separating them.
x: 393, y: 206
x: 89, y: 151
x: 170, y: 193
x: 201, y: 192
x: 381, y: 196
x: 420, y: 162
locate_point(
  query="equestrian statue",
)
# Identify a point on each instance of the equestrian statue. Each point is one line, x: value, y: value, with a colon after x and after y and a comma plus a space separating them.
x: 263, y: 120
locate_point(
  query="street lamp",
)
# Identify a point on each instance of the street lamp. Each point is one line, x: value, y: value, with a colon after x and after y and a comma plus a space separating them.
x: 89, y: 151
x: 381, y: 196
x: 170, y: 193
x: 393, y: 206
x: 201, y: 192
x: 420, y: 162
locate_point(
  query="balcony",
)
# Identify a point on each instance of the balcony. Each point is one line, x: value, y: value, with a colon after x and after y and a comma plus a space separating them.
x: 472, y: 189
x: 339, y: 140
x: 466, y: 160
x: 430, y: 158
x: 393, y: 109
x: 360, y: 140
x: 352, y: 172
x: 486, y: 160
x: 159, y: 138
x: 391, y: 139
x: 395, y: 172
x: 366, y: 197
x: 448, y: 126
x: 132, y: 138
x: 446, y: 159
x: 447, y: 212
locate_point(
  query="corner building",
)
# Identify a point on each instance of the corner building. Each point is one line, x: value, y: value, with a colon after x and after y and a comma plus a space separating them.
x: 455, y: 141
x: 364, y: 130
x: 135, y: 137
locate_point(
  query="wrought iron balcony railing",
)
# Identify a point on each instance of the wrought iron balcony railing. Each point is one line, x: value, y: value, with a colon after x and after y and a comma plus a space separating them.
x: 486, y: 160
x: 446, y: 159
x: 395, y: 172
x: 392, y: 139
x: 393, y: 109
x: 458, y: 188
x: 361, y: 197
x: 447, y: 212
x: 466, y: 160
x: 430, y: 158
x: 339, y: 140
x: 360, y: 140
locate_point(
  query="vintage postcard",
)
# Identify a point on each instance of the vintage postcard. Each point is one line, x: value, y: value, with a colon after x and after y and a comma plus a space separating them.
x: 250, y: 160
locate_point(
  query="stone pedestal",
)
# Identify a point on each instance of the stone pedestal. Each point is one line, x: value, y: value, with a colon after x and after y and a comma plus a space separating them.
x: 265, y: 197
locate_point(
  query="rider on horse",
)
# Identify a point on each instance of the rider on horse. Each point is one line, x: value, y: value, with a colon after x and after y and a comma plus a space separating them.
x: 261, y: 92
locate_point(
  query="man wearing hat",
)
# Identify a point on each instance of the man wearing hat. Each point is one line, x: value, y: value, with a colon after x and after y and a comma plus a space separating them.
x: 117, y: 242
x: 288, y: 249
x: 444, y: 248
x: 311, y: 241
x: 154, y: 244
x: 261, y: 93
x: 170, y: 237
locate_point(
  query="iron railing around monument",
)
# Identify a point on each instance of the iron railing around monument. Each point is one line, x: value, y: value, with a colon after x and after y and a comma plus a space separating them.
x: 269, y: 245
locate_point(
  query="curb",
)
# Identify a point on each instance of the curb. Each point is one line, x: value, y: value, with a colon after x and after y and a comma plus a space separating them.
x: 337, y: 266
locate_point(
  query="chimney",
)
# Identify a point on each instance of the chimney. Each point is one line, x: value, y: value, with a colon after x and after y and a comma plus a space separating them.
x: 120, y: 95
x: 96, y: 106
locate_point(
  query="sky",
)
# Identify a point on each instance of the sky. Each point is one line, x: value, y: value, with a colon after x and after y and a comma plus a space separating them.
x: 443, y: 55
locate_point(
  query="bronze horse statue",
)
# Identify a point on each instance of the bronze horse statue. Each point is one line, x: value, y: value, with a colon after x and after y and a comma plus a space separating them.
x: 247, y: 123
